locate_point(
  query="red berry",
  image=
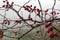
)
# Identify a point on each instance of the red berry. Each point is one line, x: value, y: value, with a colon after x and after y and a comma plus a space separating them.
x: 18, y: 21
x: 58, y: 13
x: 3, y: 1
x: 11, y: 4
x: 37, y: 31
x: 46, y: 10
x: 27, y: 9
x: 47, y: 24
x: 34, y: 7
x: 33, y: 10
x: 6, y: 0
x: 50, y: 29
x: 6, y: 22
x: 56, y: 35
x: 38, y: 10
x: 38, y: 14
x: 34, y: 22
x: 53, y: 12
x: 7, y: 3
x: 3, y: 6
x: 1, y: 33
x: 29, y: 17
x: 51, y: 35
x: 28, y: 6
x: 31, y: 26
x: 6, y: 6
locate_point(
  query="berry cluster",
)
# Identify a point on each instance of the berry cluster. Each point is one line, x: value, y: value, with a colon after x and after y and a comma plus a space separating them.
x: 7, y: 5
x: 6, y: 22
x: 30, y: 9
x: 50, y: 30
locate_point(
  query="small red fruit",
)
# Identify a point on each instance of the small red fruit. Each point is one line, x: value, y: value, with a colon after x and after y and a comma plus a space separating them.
x: 49, y: 30
x: 47, y: 24
x: 46, y: 10
x: 18, y: 21
x: 56, y: 35
x: 29, y: 17
x: 34, y: 8
x: 6, y: 22
x: 34, y: 22
x: 1, y: 33
x: 6, y: 0
x: 32, y: 27
x: 51, y: 35
x: 3, y: 6
x: 7, y: 3
x: 7, y: 6
x: 58, y: 13
x: 3, y: 1
x: 37, y: 31
x: 28, y: 6
x: 38, y: 10
x: 12, y: 3
x: 38, y: 14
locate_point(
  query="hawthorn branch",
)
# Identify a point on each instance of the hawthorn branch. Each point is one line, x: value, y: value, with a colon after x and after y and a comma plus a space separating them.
x: 29, y: 31
x: 41, y: 9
